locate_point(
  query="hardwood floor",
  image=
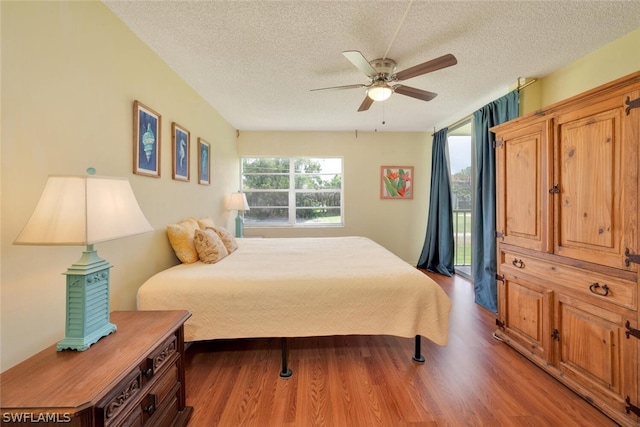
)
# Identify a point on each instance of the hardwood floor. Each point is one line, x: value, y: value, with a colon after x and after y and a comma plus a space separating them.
x: 372, y: 381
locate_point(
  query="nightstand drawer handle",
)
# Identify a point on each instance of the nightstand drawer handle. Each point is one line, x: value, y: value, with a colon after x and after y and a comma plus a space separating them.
x: 594, y: 288
x: 148, y: 372
x: 151, y: 404
x: 518, y: 263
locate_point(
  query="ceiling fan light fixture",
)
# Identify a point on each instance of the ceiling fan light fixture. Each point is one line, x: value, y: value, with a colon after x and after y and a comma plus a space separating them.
x: 379, y: 92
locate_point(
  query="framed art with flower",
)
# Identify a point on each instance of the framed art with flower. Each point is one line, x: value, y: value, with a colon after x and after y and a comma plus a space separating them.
x: 146, y: 140
x: 396, y: 182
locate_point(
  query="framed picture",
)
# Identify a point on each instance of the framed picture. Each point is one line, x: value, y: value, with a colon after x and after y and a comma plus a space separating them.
x: 180, y: 142
x: 396, y: 182
x: 146, y: 140
x: 204, y: 162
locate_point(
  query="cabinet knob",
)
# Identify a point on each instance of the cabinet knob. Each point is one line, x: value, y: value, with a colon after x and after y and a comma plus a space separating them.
x: 147, y: 372
x: 518, y: 263
x: 597, y: 289
x: 554, y: 190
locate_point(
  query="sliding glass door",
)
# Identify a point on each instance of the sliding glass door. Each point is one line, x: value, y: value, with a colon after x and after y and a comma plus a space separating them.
x: 459, y: 147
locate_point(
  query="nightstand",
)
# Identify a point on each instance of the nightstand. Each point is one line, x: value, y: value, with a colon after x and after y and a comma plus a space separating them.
x: 133, y: 377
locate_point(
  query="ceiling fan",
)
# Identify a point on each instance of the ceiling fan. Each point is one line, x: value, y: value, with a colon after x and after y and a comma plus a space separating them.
x: 382, y: 76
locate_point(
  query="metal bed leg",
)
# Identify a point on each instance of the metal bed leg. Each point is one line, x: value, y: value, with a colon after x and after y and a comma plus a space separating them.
x: 417, y: 357
x: 285, y: 372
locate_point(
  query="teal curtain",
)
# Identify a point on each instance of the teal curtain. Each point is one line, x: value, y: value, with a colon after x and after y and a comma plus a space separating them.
x: 483, y: 245
x: 438, y: 250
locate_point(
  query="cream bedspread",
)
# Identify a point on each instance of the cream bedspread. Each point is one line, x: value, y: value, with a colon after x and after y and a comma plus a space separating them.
x: 294, y: 287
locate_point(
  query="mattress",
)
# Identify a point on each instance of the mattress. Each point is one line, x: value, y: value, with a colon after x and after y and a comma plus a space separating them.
x: 295, y: 287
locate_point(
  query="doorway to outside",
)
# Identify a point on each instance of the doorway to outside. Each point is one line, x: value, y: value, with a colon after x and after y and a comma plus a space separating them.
x: 459, y: 146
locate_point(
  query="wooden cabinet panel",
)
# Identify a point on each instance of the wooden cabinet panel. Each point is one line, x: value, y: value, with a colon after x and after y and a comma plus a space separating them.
x: 589, y: 344
x: 523, y: 212
x: 595, y: 352
x: 590, y: 166
x: 524, y: 314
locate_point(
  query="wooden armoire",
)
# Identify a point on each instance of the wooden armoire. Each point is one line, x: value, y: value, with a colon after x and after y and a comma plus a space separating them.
x: 567, y: 179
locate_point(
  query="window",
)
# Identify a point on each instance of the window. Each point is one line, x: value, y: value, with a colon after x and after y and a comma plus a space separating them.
x: 292, y: 191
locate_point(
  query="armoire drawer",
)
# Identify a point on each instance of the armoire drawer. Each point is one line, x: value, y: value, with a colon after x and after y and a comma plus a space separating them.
x: 582, y: 282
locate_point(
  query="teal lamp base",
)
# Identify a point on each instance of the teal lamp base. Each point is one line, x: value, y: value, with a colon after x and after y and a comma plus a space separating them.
x: 87, y: 318
x: 239, y: 225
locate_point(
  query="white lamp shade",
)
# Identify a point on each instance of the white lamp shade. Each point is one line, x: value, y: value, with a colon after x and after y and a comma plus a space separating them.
x: 83, y: 210
x: 379, y: 92
x: 238, y: 202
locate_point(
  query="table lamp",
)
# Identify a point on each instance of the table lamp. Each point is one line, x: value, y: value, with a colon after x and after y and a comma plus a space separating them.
x: 79, y: 211
x: 238, y: 202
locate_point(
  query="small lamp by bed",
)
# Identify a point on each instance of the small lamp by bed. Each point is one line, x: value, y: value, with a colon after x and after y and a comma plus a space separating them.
x: 79, y: 211
x: 238, y: 202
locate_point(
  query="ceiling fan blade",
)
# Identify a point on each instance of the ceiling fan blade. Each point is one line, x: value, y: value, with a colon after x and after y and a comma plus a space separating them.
x: 414, y: 93
x: 360, y: 62
x: 356, y: 86
x: 365, y: 104
x: 426, y: 67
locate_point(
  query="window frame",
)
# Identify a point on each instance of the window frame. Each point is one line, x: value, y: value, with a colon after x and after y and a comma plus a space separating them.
x: 292, y: 191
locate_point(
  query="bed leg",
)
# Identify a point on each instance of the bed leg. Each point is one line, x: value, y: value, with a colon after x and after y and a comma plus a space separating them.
x: 285, y: 372
x: 417, y: 357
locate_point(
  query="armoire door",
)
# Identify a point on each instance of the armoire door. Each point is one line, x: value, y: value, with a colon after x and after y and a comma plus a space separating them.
x: 522, y: 177
x: 596, y: 173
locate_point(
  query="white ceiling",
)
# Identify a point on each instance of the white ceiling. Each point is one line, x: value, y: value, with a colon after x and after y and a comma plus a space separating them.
x: 256, y: 61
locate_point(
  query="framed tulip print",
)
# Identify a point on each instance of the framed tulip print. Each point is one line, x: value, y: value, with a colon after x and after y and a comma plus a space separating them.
x: 396, y: 182
x: 146, y: 140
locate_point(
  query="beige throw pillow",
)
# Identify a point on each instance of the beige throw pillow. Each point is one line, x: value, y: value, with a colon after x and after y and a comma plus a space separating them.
x: 181, y: 239
x: 209, y: 246
x: 227, y: 238
x: 206, y: 222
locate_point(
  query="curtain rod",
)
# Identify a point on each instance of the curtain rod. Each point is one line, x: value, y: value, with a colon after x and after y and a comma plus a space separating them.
x: 467, y: 117
x: 459, y: 122
x: 453, y: 125
x: 530, y: 82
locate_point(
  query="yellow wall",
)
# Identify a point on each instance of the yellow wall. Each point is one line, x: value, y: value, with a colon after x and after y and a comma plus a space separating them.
x: 70, y: 74
x: 608, y: 63
x: 398, y: 225
x: 615, y: 60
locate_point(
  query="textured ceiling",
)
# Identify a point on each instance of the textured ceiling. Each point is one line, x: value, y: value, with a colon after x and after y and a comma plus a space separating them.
x: 256, y: 61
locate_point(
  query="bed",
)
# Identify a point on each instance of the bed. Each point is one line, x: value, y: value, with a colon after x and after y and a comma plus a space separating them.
x: 300, y: 287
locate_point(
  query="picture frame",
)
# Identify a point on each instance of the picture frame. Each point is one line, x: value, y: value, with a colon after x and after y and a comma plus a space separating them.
x: 396, y: 182
x: 180, y: 149
x: 204, y: 162
x: 147, y: 125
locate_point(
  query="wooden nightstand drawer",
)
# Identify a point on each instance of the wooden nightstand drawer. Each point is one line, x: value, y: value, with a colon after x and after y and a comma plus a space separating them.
x: 134, y: 419
x: 122, y: 398
x: 596, y: 286
x: 161, y: 389
x: 165, y: 414
x: 159, y: 358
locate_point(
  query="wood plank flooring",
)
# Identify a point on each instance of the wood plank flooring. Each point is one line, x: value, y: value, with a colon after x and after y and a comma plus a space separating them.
x: 371, y: 380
